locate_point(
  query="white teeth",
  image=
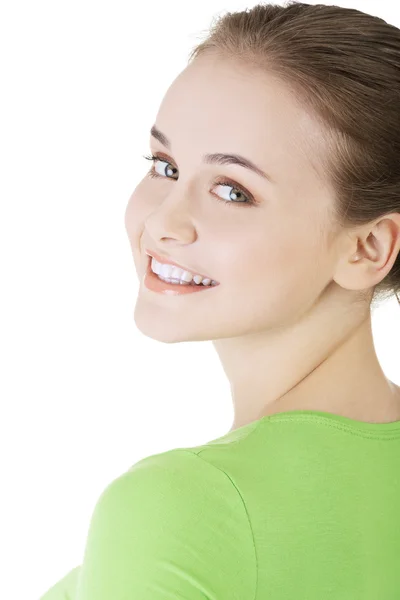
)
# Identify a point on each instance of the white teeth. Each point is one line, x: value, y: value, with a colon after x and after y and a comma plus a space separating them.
x: 173, y: 272
x: 198, y: 279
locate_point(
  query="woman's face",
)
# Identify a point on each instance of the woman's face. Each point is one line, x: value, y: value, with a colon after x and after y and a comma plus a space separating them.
x: 266, y: 244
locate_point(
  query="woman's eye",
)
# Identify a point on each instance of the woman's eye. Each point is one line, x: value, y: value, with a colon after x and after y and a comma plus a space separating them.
x: 236, y: 195
x: 156, y: 163
x: 240, y: 196
x: 162, y: 170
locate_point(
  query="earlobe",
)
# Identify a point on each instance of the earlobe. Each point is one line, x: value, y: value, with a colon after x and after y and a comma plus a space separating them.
x: 356, y: 257
x: 356, y: 278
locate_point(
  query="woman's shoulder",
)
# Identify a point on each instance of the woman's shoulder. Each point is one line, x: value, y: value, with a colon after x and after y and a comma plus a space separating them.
x: 65, y: 588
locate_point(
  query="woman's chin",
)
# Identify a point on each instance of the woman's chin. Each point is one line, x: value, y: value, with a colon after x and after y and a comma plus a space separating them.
x: 169, y: 331
x: 157, y: 328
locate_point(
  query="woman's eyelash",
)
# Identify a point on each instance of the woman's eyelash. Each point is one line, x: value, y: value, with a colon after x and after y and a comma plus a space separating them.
x: 228, y: 182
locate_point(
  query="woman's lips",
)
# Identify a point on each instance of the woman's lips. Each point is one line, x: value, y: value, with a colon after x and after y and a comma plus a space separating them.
x: 167, y: 261
x: 152, y: 282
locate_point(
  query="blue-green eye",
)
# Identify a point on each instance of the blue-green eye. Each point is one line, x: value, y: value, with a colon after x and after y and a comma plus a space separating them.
x: 239, y: 192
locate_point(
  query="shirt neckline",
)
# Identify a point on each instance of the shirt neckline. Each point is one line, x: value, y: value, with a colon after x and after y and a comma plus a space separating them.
x: 329, y: 417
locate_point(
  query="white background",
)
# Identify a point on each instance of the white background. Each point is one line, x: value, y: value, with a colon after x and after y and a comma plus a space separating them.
x: 84, y: 395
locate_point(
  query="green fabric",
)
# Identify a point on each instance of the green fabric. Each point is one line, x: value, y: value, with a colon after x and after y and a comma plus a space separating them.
x: 302, y: 504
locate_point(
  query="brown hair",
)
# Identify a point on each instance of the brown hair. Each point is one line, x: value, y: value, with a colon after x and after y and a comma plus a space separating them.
x: 344, y: 65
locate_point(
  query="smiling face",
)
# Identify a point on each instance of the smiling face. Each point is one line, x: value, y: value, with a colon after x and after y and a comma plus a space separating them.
x: 267, y: 242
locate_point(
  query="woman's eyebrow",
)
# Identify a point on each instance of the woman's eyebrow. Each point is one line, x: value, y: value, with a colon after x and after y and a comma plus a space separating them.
x: 216, y: 158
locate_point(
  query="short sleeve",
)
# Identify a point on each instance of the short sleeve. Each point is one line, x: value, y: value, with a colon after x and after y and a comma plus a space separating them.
x: 174, y: 527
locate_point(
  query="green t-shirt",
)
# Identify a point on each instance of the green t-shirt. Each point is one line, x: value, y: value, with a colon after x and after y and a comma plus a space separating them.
x: 298, y: 505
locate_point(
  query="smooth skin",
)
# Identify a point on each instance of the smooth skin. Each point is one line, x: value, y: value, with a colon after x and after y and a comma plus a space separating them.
x: 287, y: 320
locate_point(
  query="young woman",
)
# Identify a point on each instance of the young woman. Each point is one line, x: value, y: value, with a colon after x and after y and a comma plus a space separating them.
x: 269, y: 223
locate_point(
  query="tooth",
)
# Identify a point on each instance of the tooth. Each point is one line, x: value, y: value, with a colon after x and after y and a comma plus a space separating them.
x: 165, y: 270
x: 156, y: 266
x: 186, y: 276
x: 176, y: 273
